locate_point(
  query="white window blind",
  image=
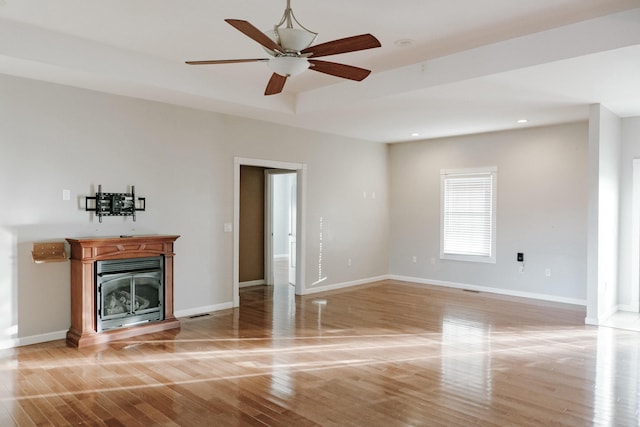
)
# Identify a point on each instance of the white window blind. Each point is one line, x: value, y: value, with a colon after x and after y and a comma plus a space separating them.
x: 468, y: 215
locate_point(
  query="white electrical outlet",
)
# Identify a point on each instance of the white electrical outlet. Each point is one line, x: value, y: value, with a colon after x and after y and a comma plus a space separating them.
x: 414, y: 259
x: 228, y: 227
x: 66, y: 195
x: 547, y: 272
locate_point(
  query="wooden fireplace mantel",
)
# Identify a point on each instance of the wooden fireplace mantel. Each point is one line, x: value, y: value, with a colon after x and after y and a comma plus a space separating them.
x: 84, y: 253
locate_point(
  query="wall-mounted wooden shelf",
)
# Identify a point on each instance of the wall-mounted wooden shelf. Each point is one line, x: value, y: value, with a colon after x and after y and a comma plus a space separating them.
x: 48, y: 252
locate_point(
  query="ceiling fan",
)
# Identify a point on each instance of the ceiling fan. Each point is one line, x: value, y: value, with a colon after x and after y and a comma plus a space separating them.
x: 290, y: 51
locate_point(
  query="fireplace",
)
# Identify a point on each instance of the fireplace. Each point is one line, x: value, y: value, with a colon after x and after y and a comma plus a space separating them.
x: 129, y: 292
x: 120, y: 287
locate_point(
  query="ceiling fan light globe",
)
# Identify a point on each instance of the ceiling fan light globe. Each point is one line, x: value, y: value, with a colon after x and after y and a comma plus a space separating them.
x: 295, y: 39
x: 291, y: 39
x: 288, y: 65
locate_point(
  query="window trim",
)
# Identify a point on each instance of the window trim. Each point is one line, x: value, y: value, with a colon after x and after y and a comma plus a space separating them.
x: 493, y: 172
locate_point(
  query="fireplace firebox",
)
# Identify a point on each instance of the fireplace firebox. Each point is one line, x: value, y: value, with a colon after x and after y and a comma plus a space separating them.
x: 129, y: 292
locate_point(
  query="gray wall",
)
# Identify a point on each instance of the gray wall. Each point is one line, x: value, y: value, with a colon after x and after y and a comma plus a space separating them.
x: 55, y: 137
x: 541, y: 210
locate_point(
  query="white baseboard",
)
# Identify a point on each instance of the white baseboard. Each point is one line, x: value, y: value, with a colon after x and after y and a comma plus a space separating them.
x: 603, y: 319
x: 251, y: 283
x: 60, y: 335
x: 8, y: 343
x: 52, y: 336
x: 33, y: 339
x: 612, y: 310
x: 628, y: 308
x: 316, y: 289
x: 509, y: 292
x: 201, y: 310
x: 591, y: 321
x: 422, y: 281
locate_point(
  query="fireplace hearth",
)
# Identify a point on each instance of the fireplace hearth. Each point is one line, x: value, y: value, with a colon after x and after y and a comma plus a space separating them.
x: 120, y: 287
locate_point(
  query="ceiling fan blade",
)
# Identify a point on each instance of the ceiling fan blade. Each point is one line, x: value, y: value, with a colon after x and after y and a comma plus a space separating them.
x: 339, y: 70
x: 252, y: 32
x: 275, y: 85
x: 225, y: 61
x: 348, y: 44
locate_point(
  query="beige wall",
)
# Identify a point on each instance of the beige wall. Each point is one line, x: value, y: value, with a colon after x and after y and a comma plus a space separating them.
x: 182, y: 160
x: 55, y: 137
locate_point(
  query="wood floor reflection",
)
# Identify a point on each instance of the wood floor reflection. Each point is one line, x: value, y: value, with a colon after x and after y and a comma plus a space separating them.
x: 384, y: 354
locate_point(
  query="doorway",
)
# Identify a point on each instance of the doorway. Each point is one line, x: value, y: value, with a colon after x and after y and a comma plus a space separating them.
x: 296, y: 219
x: 280, y: 226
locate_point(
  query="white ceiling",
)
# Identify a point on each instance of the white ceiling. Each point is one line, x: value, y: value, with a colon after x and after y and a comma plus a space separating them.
x: 473, y: 65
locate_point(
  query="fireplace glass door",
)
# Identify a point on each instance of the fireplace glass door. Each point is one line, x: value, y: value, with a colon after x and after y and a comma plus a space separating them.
x: 127, y: 298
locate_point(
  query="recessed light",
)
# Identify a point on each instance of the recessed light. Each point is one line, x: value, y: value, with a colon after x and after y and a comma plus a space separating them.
x: 415, y: 134
x: 404, y: 42
x: 523, y: 121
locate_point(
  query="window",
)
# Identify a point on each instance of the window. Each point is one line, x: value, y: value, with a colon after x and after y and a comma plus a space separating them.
x: 468, y: 215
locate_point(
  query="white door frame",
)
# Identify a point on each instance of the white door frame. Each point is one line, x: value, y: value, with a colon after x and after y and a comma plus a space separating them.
x: 301, y: 173
x: 635, y: 240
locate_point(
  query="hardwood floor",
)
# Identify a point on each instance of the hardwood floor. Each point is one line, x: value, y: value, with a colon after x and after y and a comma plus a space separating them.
x: 384, y: 354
